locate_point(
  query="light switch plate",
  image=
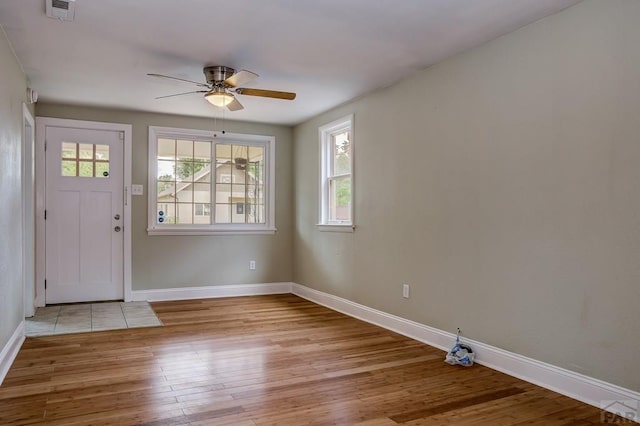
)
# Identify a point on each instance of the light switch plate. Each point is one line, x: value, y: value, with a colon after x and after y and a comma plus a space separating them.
x: 137, y: 190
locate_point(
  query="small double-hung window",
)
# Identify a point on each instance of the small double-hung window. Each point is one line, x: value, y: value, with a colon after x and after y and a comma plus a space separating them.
x: 336, y: 175
x: 201, y: 183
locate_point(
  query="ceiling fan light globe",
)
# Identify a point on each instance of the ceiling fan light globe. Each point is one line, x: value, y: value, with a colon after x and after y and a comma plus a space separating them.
x: 219, y: 99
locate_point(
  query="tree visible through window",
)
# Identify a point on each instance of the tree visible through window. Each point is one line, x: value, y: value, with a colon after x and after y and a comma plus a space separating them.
x: 340, y: 178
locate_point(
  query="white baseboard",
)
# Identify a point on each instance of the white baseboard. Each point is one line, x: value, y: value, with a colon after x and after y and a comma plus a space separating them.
x: 10, y: 350
x: 186, y: 293
x: 577, y: 386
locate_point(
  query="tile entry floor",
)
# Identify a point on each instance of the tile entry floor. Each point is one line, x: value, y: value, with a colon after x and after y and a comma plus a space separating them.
x: 80, y: 318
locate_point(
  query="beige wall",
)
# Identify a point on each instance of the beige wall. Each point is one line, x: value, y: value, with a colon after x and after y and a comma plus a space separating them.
x: 182, y: 261
x: 503, y: 185
x: 12, y: 94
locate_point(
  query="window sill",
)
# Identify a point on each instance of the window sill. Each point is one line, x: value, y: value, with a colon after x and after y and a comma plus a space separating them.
x: 323, y: 227
x: 204, y: 231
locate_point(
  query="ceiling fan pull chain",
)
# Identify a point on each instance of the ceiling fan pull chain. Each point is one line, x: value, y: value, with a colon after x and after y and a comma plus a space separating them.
x: 215, y: 125
x: 223, y: 131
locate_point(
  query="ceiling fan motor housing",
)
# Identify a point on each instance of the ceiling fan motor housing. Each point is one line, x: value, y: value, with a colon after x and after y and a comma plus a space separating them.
x: 217, y: 74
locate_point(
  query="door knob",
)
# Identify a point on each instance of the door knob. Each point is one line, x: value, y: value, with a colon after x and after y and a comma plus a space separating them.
x: 117, y: 217
x: 117, y: 229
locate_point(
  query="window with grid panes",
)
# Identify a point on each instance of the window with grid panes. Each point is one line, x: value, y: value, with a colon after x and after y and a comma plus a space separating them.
x: 336, y: 177
x: 200, y: 183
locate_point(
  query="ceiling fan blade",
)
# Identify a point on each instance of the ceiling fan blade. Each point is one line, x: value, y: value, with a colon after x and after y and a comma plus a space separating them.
x: 235, y: 105
x: 266, y: 93
x: 180, y: 94
x: 240, y: 78
x: 179, y: 79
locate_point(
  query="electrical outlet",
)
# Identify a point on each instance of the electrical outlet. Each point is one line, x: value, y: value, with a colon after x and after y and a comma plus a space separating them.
x: 252, y: 265
x: 405, y: 291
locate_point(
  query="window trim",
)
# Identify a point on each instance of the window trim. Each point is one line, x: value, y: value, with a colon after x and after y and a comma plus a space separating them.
x: 269, y: 143
x: 325, y: 134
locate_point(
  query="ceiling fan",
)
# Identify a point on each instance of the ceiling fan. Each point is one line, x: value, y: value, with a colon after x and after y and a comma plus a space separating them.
x: 222, y: 83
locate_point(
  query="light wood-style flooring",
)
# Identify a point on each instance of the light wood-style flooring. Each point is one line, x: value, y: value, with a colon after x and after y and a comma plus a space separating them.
x: 263, y: 360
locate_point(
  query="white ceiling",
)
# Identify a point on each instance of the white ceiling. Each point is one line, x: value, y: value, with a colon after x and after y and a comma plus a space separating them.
x: 327, y: 51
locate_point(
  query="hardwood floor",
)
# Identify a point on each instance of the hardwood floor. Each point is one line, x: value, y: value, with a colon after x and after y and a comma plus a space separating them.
x: 263, y: 360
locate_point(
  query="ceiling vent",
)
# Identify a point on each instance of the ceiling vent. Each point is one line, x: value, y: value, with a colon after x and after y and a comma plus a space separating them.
x: 64, y: 10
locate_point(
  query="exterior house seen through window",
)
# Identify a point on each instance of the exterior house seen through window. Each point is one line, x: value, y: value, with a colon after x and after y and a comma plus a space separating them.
x: 336, y: 180
x: 201, y: 183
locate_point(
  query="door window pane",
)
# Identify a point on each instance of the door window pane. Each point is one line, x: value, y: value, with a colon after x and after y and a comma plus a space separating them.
x: 84, y: 160
x: 102, y: 153
x: 85, y: 169
x: 102, y: 169
x: 69, y: 150
x: 86, y: 151
x: 69, y: 168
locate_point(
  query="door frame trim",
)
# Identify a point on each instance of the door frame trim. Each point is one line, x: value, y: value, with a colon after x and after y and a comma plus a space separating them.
x: 41, y: 126
x: 28, y: 210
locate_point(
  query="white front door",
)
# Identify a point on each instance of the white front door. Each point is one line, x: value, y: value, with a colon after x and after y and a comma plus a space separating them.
x: 84, y: 215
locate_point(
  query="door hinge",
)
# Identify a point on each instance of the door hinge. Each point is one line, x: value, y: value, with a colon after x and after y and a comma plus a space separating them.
x: 45, y: 284
x: 45, y: 145
x: 121, y: 136
x: 45, y: 215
